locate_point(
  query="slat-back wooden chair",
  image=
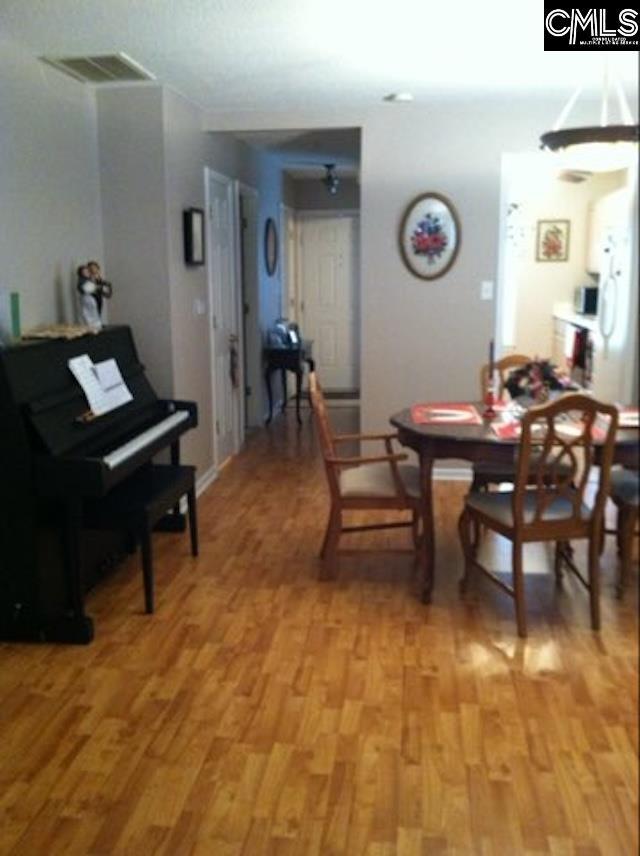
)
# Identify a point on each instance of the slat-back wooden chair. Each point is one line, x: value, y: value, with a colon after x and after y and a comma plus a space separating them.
x: 375, y: 482
x: 625, y: 493
x: 503, y: 367
x: 547, y: 502
x: 488, y: 474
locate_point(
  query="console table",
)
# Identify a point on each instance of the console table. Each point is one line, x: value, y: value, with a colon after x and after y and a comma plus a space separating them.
x: 288, y: 359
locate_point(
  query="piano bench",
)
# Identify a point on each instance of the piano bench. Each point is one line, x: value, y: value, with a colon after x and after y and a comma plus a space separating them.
x: 139, y: 503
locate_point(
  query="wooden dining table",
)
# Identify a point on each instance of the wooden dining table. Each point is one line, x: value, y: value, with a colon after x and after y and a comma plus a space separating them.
x: 473, y: 443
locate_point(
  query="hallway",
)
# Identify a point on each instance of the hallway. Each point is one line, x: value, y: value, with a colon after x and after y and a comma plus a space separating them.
x: 260, y: 711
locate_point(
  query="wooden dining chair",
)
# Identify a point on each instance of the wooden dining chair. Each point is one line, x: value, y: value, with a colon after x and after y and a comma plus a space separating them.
x: 485, y: 474
x: 556, y: 453
x: 625, y: 487
x: 381, y: 482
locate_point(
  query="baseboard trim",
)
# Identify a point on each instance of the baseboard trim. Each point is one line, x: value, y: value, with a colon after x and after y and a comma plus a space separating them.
x: 203, y: 481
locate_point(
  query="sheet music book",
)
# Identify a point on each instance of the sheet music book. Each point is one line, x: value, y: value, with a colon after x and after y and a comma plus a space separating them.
x: 102, y: 383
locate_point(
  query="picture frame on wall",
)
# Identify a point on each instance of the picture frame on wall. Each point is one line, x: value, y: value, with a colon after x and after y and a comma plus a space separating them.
x: 270, y: 246
x: 429, y: 235
x: 552, y: 240
x: 193, y: 228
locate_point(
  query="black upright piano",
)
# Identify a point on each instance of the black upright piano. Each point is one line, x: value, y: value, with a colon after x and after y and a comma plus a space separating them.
x: 53, y: 459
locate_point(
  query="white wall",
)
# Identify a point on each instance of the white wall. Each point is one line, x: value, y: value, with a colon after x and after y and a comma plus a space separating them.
x: 185, y: 157
x: 425, y: 340
x: 50, y: 218
x: 153, y: 154
x: 132, y: 170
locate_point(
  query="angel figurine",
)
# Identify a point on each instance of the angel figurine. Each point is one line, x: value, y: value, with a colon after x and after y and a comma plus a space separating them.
x: 93, y: 290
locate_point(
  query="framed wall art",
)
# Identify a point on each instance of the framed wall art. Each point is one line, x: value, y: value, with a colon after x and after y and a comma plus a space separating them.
x: 429, y: 235
x: 270, y: 246
x: 193, y: 228
x: 552, y: 240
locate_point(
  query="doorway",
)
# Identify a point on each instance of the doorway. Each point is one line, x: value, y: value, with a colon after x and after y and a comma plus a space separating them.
x: 565, y: 233
x: 224, y: 323
x: 329, y: 296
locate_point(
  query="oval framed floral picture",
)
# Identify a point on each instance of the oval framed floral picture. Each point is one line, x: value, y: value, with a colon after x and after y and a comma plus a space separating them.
x: 429, y: 235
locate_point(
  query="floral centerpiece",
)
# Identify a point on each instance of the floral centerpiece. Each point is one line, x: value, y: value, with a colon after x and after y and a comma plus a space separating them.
x: 536, y: 380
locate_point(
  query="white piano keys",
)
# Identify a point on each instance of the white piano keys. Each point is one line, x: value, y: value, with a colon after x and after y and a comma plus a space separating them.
x: 127, y: 450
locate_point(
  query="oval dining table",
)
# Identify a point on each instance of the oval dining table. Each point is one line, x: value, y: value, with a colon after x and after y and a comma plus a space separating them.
x: 474, y: 443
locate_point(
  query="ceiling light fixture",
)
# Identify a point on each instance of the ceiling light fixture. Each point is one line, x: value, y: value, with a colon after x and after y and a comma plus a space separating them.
x: 398, y: 97
x: 331, y: 180
x: 600, y: 147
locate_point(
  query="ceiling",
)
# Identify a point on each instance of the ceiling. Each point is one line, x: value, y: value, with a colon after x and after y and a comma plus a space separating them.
x: 301, y: 54
x: 304, y: 153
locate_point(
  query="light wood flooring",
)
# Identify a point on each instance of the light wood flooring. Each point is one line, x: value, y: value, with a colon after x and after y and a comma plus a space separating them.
x: 262, y: 712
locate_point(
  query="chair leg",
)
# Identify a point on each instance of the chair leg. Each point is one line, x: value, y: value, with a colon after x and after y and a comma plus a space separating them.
x: 557, y: 562
x: 415, y: 528
x: 465, y: 524
x: 193, y: 520
x: 594, y: 579
x: 147, y: 568
x: 478, y: 484
x: 327, y: 533
x: 625, y: 530
x: 518, y: 588
x: 329, y: 553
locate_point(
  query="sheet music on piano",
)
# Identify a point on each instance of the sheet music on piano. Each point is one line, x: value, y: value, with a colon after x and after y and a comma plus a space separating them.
x: 102, y: 383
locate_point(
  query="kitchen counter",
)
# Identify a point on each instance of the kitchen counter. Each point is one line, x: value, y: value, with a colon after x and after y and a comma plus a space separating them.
x: 565, y: 312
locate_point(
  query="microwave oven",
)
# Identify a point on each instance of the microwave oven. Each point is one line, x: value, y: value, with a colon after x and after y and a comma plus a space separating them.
x: 586, y: 300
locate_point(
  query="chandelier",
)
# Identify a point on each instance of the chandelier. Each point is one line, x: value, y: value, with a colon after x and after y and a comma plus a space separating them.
x: 596, y: 148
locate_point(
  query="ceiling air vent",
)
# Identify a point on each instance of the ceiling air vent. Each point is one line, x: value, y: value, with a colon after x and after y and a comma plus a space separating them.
x: 111, y: 68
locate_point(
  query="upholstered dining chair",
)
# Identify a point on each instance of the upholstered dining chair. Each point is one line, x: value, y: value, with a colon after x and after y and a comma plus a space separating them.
x: 380, y: 482
x: 547, y: 502
x: 625, y: 487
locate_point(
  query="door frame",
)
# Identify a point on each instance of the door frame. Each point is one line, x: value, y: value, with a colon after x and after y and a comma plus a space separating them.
x: 238, y: 424
x: 252, y: 371
x: 289, y: 277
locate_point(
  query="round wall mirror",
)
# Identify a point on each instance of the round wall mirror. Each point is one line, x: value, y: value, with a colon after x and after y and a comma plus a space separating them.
x: 270, y: 246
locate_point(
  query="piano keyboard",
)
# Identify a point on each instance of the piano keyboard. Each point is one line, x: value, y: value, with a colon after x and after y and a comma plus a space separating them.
x: 127, y: 450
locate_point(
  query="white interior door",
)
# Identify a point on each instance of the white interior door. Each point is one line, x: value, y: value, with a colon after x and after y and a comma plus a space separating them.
x: 224, y: 323
x: 329, y: 296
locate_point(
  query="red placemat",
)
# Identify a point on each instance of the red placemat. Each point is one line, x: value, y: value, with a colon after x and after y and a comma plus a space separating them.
x: 445, y: 413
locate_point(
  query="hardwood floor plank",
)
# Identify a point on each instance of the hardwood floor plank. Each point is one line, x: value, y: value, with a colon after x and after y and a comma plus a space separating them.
x: 260, y: 711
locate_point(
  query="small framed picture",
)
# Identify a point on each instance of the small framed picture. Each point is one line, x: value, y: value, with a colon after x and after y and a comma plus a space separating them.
x: 193, y: 227
x: 429, y: 235
x: 552, y: 240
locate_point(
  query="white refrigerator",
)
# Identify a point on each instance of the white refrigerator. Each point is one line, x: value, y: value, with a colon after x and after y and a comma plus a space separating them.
x: 615, y: 340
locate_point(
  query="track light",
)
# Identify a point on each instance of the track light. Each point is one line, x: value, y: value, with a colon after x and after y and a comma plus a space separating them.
x: 331, y: 180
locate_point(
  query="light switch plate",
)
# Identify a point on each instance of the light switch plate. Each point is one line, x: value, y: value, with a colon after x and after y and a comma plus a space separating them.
x: 199, y: 307
x: 486, y: 289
